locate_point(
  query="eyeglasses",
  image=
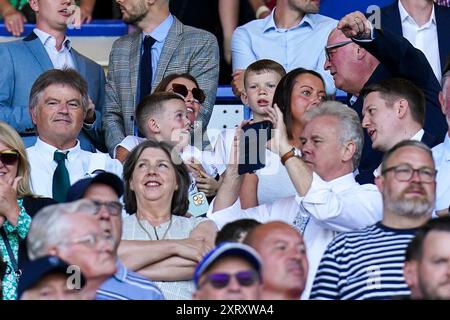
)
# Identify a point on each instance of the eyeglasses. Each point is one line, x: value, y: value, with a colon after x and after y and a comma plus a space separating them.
x: 404, y: 172
x: 91, y: 240
x: 183, y: 91
x: 9, y: 157
x: 221, y: 280
x: 114, y: 208
x: 329, y: 49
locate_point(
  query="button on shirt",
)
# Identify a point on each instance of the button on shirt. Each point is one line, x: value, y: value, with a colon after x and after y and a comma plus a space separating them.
x: 60, y: 59
x: 335, y: 206
x: 423, y: 38
x: 299, y: 46
x: 79, y: 163
x: 441, y: 155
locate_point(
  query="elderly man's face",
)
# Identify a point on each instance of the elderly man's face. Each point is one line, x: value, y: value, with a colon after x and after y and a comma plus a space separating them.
x: 59, y: 115
x: 52, y: 287
x: 414, y: 197
x: 234, y: 290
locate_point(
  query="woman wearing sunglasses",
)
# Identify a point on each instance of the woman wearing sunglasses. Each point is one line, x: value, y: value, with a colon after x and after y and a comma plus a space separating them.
x: 17, y: 206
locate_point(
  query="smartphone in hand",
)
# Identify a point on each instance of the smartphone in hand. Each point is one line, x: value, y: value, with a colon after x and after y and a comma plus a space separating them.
x: 252, y: 153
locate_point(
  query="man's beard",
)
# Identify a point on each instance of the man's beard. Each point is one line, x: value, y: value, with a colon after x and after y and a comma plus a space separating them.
x: 135, y: 18
x: 414, y: 208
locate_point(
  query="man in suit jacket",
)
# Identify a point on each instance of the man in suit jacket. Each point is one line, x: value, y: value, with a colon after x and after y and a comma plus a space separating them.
x: 393, y: 110
x: 47, y: 47
x: 425, y: 24
x: 178, y: 48
x: 359, y: 55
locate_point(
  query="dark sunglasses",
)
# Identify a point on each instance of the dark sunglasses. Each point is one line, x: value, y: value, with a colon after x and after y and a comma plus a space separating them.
x: 221, y: 280
x: 182, y: 90
x: 9, y: 157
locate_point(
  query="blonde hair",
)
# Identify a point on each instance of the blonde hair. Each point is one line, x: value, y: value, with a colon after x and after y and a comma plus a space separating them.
x: 12, y: 139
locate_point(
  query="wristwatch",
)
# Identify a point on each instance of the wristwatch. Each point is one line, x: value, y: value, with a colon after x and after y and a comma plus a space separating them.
x: 294, y: 152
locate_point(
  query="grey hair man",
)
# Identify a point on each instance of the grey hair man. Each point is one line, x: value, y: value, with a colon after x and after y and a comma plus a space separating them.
x: 328, y: 199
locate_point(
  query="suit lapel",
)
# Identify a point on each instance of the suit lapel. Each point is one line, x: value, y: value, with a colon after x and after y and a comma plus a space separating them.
x: 391, y: 19
x: 36, y: 48
x: 80, y: 64
x: 135, y: 59
x: 170, y: 45
x: 443, y: 27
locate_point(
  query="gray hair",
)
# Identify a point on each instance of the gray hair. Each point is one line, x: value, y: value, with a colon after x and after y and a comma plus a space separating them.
x: 349, y: 122
x: 49, y: 227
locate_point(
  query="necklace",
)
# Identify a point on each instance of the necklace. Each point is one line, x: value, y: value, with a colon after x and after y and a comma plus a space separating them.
x: 154, y: 229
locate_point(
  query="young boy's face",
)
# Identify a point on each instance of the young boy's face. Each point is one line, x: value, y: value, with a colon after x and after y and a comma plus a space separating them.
x: 173, y: 123
x: 259, y: 90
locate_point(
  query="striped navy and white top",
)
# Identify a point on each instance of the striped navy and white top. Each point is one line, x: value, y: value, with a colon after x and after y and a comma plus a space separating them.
x: 128, y: 285
x: 364, y: 264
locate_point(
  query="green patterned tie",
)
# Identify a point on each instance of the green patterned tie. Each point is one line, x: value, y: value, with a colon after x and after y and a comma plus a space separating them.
x: 61, y: 180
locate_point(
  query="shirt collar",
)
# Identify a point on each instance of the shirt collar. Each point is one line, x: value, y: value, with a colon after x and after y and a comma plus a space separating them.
x: 308, y: 20
x: 49, y: 40
x: 418, y: 136
x: 404, y: 15
x: 160, y: 32
x: 121, y: 272
x: 446, y: 147
x: 339, y: 184
x: 49, y: 150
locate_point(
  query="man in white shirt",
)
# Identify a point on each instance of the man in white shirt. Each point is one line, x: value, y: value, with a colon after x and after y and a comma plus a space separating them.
x: 329, y: 200
x: 393, y: 110
x: 441, y: 153
x: 47, y: 47
x: 425, y: 24
x: 58, y: 105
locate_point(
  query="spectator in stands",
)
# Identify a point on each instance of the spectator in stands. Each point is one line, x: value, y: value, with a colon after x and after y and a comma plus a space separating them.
x: 50, y: 278
x: 235, y: 231
x: 425, y: 24
x: 283, y: 253
x: 231, y: 271
x: 393, y: 110
x: 328, y: 199
x: 18, y: 205
x: 427, y: 259
x: 441, y: 153
x: 104, y: 190
x: 47, y: 47
x: 294, y: 35
x: 297, y: 92
x: 358, y: 57
x: 138, y: 63
x: 408, y: 185
x: 58, y: 104
x: 156, y: 195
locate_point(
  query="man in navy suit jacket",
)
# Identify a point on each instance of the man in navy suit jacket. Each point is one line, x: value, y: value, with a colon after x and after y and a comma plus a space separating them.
x: 47, y: 47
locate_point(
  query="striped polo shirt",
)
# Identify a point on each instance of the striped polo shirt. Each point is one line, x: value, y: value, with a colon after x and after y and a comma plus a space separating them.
x: 364, y: 264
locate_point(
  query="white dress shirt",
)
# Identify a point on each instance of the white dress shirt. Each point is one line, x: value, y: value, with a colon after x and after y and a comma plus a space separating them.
x: 336, y: 206
x: 441, y: 155
x: 79, y: 163
x: 60, y: 59
x: 423, y: 38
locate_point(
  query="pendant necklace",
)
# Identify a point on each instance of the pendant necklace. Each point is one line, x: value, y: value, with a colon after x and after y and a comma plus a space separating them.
x: 154, y: 229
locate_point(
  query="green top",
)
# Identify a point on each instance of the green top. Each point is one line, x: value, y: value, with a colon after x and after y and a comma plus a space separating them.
x: 18, y: 4
x: 20, y: 231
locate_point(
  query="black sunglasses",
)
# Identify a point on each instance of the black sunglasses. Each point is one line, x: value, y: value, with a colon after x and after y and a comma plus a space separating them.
x: 9, y: 157
x: 181, y: 89
x: 221, y: 280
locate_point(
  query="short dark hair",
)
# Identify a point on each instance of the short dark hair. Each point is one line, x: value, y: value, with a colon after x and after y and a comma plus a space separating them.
x: 66, y: 77
x: 401, y: 144
x: 262, y: 66
x: 151, y: 105
x: 393, y: 89
x: 161, y: 87
x: 232, y: 231
x: 283, y: 94
x: 180, y: 200
x: 415, y: 248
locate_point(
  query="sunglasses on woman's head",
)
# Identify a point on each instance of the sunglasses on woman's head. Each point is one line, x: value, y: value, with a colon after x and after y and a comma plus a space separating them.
x: 221, y: 280
x: 182, y: 90
x: 9, y: 157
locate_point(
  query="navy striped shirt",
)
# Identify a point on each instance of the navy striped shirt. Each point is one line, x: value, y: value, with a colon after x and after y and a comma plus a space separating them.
x: 128, y: 285
x: 364, y: 264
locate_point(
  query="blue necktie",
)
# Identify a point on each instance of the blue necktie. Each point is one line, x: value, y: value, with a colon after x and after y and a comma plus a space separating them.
x: 61, y: 180
x: 146, y: 68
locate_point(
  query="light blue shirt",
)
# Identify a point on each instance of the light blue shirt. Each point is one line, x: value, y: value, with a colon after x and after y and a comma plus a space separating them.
x: 300, y: 46
x: 128, y: 285
x: 441, y: 155
x: 159, y: 34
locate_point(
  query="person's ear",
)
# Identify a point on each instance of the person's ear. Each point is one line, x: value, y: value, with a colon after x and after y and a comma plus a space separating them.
x: 361, y: 53
x: 401, y: 107
x: 379, y: 182
x: 348, y: 152
x: 153, y: 126
x: 410, y: 272
x: 442, y: 102
x: 34, y: 4
x: 244, y: 98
